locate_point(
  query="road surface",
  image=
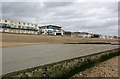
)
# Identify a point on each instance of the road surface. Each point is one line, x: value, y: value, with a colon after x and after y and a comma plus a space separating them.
x: 17, y: 58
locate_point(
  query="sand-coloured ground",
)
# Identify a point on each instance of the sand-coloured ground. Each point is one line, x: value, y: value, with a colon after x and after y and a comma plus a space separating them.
x: 109, y: 68
x: 13, y: 40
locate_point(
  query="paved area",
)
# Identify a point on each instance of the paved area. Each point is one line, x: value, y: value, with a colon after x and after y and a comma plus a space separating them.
x: 18, y: 58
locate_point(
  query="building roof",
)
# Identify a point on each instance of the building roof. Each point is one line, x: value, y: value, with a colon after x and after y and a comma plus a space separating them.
x: 50, y: 25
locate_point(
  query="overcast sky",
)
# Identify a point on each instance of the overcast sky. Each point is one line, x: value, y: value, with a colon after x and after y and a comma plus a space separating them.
x: 96, y: 17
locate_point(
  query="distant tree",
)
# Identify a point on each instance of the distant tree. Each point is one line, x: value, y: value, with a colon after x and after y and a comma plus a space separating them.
x: 96, y: 36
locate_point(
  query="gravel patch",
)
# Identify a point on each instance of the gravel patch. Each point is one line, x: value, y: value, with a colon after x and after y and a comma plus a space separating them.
x: 107, y: 68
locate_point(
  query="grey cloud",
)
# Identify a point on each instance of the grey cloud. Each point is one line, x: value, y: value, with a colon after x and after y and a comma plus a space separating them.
x: 56, y: 4
x: 91, y: 17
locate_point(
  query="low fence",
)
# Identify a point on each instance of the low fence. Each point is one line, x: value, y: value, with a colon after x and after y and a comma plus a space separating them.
x: 63, y: 69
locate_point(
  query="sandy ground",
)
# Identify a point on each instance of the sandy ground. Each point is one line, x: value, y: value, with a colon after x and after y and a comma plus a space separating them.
x: 107, y: 68
x: 13, y: 40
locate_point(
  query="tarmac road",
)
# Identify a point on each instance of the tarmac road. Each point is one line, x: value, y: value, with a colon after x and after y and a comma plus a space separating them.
x: 17, y: 58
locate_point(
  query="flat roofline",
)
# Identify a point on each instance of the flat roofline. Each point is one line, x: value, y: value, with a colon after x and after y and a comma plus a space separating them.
x: 50, y: 25
x: 19, y: 21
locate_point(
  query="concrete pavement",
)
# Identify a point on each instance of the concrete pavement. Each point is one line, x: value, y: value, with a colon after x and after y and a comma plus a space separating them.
x: 23, y: 57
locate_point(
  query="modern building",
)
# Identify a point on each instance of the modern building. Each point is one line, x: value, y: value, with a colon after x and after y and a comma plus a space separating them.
x: 78, y: 34
x: 67, y: 33
x: 12, y: 26
x: 108, y: 37
x: 51, y: 30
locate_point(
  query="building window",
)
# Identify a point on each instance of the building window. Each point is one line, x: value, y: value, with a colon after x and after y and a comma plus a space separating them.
x: 1, y: 25
x: 5, y: 20
x: 19, y: 26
